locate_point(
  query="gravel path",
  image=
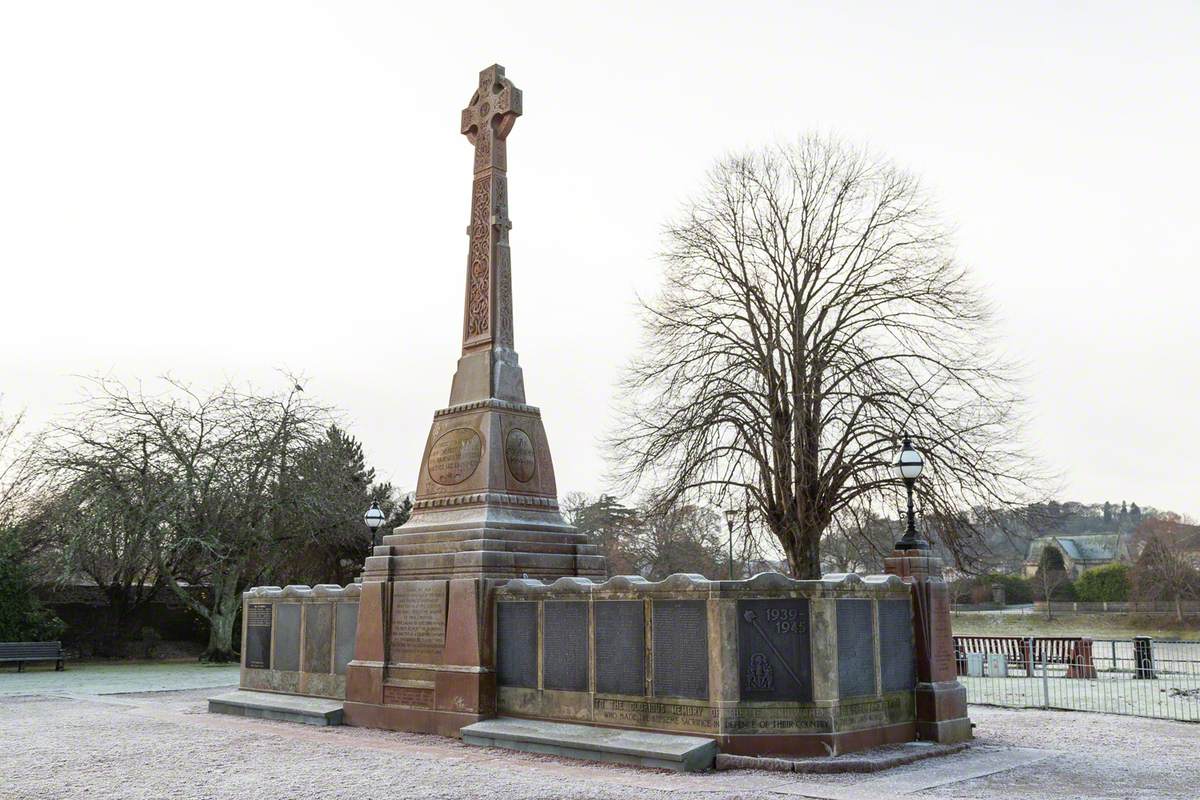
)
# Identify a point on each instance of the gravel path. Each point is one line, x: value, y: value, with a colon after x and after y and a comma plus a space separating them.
x: 165, y: 744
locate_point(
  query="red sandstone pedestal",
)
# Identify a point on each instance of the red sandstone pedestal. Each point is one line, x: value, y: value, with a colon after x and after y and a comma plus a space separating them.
x: 422, y: 659
x: 940, y: 699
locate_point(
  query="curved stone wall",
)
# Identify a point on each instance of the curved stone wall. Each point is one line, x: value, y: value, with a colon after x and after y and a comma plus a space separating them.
x: 764, y: 665
x: 299, y: 639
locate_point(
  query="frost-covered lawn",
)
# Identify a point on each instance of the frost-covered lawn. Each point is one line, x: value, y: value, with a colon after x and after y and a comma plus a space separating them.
x: 98, y: 677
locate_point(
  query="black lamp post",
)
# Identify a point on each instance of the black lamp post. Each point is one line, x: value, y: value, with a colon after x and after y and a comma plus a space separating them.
x: 730, y: 519
x: 374, y: 519
x: 907, y: 467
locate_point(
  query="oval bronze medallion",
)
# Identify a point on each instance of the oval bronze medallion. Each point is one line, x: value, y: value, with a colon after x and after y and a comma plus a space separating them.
x: 518, y: 452
x: 454, y: 456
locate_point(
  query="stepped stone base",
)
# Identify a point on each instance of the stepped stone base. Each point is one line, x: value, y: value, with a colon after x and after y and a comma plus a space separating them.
x: 485, y: 541
x: 285, y: 707
x: 641, y: 748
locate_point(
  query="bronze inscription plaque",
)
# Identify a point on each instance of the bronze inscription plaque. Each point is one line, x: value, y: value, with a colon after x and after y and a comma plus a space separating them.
x: 258, y: 636
x: 896, y: 666
x: 518, y: 452
x: 418, y: 620
x: 680, y: 648
x: 412, y: 697
x: 856, y: 648
x: 454, y: 456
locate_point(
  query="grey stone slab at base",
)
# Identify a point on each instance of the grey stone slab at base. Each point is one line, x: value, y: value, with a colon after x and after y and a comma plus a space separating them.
x: 641, y: 748
x: 286, y: 707
x: 874, y: 760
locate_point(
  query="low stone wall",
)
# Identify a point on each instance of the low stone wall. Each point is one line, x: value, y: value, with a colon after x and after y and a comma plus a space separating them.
x: 298, y: 640
x: 765, y: 665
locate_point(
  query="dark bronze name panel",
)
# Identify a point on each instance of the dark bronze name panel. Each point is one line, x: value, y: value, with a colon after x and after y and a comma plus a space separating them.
x: 897, y: 670
x: 516, y: 644
x: 856, y: 648
x: 565, y: 645
x: 620, y: 647
x: 287, y: 637
x: 680, y: 648
x: 774, y: 650
x: 258, y: 635
x: 318, y: 638
x: 345, y: 628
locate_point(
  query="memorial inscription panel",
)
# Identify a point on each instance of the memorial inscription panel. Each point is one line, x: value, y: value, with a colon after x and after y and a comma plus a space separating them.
x: 620, y: 647
x: 565, y: 645
x: 418, y: 620
x: 856, y: 648
x: 942, y: 637
x: 287, y: 637
x: 897, y: 669
x: 516, y: 644
x: 680, y: 650
x: 774, y: 650
x: 258, y: 635
x: 454, y: 456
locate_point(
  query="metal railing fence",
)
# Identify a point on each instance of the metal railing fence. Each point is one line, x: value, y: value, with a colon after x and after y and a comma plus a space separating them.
x: 1140, y: 677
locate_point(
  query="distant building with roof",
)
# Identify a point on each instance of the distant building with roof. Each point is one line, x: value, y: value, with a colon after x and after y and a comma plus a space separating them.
x: 1079, y: 552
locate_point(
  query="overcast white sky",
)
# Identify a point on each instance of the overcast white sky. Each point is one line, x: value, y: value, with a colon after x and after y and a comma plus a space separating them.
x: 221, y: 190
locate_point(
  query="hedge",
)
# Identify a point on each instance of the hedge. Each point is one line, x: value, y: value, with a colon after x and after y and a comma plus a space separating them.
x: 1107, y: 584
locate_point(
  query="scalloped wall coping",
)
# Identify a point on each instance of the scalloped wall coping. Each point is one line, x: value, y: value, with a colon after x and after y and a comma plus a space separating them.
x: 684, y: 582
x: 322, y: 590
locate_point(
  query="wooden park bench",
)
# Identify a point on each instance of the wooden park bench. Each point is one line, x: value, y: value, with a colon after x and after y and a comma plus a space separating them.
x: 21, y: 652
x: 1023, y: 651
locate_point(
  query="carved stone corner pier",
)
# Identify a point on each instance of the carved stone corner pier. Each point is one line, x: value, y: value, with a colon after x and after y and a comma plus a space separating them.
x: 486, y: 507
x: 941, y: 700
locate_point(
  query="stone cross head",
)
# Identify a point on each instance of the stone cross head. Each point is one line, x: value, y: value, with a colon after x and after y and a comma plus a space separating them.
x: 488, y: 118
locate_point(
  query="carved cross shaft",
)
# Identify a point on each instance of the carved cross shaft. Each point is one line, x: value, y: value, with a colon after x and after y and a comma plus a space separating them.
x: 486, y: 122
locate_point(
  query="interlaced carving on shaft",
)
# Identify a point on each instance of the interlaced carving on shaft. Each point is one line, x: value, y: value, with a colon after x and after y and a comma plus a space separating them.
x: 478, y: 286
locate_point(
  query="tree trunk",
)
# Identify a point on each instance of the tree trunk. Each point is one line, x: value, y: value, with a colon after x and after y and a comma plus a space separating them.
x: 803, y: 553
x: 220, y: 632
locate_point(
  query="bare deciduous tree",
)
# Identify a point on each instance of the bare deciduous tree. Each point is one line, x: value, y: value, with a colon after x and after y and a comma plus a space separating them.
x: 204, y: 475
x: 811, y: 314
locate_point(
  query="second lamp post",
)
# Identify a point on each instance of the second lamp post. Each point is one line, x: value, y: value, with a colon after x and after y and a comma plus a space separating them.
x: 907, y: 467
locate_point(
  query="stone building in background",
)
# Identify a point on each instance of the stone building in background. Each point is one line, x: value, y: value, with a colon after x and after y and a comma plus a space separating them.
x: 1078, y: 552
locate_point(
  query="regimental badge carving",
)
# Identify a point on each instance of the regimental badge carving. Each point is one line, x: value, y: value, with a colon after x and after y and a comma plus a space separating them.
x: 761, y: 677
x: 454, y: 456
x: 519, y: 455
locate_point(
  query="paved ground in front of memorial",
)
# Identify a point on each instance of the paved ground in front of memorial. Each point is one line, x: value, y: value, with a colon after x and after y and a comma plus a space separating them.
x: 70, y: 736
